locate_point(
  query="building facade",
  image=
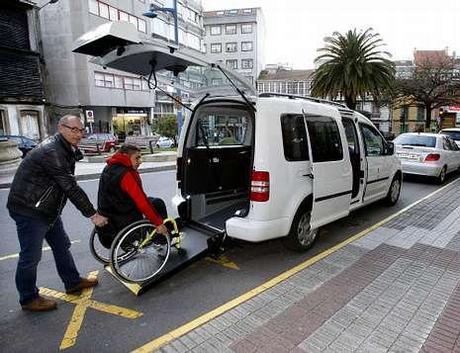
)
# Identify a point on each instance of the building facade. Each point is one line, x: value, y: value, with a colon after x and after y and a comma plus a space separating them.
x: 235, y: 38
x: 22, y: 95
x: 120, y: 102
x: 284, y: 80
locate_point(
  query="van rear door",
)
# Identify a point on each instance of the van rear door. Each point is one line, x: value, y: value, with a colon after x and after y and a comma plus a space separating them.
x: 331, y: 170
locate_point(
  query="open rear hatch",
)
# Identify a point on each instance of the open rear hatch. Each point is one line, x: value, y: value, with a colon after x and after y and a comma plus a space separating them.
x: 117, y: 45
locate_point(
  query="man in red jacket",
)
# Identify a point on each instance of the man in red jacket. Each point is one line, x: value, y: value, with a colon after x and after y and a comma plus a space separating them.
x: 121, y: 197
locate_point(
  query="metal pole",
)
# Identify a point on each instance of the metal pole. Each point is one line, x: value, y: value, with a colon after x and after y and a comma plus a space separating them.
x: 176, y: 26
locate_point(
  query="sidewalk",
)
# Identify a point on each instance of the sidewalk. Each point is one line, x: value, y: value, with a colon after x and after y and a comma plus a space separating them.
x: 392, y: 288
x: 85, y: 170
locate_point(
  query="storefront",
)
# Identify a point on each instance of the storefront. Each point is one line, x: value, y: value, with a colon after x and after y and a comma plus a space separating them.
x: 131, y: 122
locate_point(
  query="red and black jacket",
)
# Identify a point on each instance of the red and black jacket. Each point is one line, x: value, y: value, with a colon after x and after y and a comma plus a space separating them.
x: 121, y: 197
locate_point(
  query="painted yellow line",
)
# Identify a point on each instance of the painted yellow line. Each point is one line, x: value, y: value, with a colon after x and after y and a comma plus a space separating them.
x: 190, y: 326
x: 133, y: 287
x: 223, y: 261
x: 45, y: 248
x: 82, y: 303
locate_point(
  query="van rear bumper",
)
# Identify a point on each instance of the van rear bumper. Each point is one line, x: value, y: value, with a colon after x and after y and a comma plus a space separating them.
x: 257, y: 231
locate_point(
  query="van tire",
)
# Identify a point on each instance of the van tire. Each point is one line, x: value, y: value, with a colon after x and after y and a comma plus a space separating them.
x: 394, y: 191
x: 301, y: 237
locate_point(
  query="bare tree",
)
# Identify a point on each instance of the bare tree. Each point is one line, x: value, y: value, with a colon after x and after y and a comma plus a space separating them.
x: 433, y: 84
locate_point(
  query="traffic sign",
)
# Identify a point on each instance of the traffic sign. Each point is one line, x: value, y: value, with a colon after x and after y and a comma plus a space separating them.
x: 89, y: 116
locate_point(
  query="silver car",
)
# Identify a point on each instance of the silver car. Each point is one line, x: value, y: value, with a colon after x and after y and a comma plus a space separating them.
x: 453, y: 133
x: 428, y: 154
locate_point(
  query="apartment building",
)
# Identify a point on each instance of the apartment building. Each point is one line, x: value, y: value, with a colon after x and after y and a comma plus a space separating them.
x: 285, y: 80
x: 119, y: 101
x: 235, y: 38
x: 22, y: 94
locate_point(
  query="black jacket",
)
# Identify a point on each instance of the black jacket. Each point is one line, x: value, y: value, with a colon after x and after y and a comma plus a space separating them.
x: 45, y: 180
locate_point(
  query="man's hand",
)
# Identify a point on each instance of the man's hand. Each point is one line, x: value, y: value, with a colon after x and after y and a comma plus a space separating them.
x: 99, y: 220
x: 162, y: 230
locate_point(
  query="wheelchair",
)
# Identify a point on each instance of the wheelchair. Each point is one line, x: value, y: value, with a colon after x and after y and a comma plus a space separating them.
x: 138, y: 253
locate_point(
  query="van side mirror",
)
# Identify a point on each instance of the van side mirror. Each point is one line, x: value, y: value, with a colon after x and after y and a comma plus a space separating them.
x: 390, y: 148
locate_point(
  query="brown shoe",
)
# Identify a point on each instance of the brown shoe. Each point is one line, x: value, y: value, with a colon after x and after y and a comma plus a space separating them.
x: 40, y: 304
x: 84, y: 283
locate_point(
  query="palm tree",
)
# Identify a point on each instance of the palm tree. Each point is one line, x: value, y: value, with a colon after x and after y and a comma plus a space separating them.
x: 351, y: 66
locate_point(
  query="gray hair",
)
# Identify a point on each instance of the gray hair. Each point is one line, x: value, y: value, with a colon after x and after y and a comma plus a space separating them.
x: 65, y: 119
x: 129, y: 148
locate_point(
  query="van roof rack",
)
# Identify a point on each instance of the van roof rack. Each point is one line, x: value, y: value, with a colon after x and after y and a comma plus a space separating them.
x: 312, y: 99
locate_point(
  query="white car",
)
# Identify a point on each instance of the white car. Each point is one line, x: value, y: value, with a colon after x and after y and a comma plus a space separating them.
x: 257, y: 167
x: 165, y: 142
x: 453, y: 133
x: 428, y: 154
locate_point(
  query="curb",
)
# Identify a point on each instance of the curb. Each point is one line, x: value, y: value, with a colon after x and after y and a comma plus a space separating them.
x: 96, y: 175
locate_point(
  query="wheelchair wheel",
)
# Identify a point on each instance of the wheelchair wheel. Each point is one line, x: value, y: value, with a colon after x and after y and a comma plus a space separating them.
x: 100, y: 253
x: 138, y: 253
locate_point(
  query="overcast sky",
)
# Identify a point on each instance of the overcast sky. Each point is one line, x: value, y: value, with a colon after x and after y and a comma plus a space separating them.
x: 294, y: 29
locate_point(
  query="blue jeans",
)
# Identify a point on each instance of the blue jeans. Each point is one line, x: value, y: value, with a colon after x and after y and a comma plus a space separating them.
x: 31, y: 232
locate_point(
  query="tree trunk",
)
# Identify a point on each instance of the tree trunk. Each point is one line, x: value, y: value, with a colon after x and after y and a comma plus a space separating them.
x: 350, y: 101
x: 428, y: 117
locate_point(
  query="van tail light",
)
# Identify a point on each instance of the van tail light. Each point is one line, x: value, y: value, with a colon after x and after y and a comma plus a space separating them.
x: 432, y: 157
x: 179, y: 169
x: 260, y: 186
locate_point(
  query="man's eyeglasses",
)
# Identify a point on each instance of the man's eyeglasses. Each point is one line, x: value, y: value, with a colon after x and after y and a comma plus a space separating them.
x: 74, y: 129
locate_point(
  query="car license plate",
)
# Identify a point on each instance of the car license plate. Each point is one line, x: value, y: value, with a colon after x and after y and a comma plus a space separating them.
x: 412, y: 157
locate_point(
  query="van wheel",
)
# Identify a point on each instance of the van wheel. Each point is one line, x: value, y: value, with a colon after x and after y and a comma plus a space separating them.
x: 301, y: 237
x: 394, y: 191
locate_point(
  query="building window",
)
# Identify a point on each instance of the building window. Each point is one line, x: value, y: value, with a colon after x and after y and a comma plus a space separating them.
x: 128, y: 83
x: 247, y: 11
x: 30, y: 124
x: 2, y: 122
x: 216, y: 48
x: 420, y: 114
x: 118, y: 82
x: 232, y: 12
x: 137, y: 85
x: 232, y: 64
x: 230, y: 47
x: 113, y: 14
x: 99, y: 79
x: 246, y: 28
x: 246, y: 46
x: 219, y: 13
x: 216, y: 30
x: 246, y: 63
x: 216, y: 81
x: 230, y: 29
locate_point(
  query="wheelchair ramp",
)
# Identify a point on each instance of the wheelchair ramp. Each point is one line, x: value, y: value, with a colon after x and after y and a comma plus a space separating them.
x: 195, y: 243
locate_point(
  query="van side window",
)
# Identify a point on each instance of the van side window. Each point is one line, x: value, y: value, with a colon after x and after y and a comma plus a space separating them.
x: 373, y: 141
x: 352, y: 136
x: 325, y: 139
x: 294, y: 138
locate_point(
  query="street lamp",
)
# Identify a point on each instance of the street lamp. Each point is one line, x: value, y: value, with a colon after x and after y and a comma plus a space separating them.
x: 49, y: 2
x: 152, y: 13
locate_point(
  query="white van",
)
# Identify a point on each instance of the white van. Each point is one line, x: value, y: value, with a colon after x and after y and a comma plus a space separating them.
x: 258, y: 167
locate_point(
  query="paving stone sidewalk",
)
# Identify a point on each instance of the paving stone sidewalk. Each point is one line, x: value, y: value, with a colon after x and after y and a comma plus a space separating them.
x: 397, y: 289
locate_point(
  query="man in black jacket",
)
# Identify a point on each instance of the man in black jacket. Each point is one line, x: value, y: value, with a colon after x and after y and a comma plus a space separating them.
x: 42, y: 184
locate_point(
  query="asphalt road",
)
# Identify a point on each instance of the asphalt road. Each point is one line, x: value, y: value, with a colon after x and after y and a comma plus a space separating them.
x: 193, y: 291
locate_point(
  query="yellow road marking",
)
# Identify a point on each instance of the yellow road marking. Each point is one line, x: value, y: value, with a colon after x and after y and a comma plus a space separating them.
x: 223, y: 261
x: 83, y: 302
x: 45, y: 248
x: 190, y: 326
x: 133, y: 287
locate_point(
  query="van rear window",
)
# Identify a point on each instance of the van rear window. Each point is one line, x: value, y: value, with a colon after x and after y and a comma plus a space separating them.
x: 229, y: 127
x: 415, y: 140
x: 295, y: 142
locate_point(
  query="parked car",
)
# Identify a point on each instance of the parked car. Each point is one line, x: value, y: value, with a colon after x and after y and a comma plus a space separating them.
x: 98, y: 143
x: 25, y: 144
x: 453, y: 133
x: 428, y: 154
x: 165, y: 142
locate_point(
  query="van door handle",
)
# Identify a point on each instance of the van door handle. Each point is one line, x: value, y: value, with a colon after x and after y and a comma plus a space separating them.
x: 310, y: 175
